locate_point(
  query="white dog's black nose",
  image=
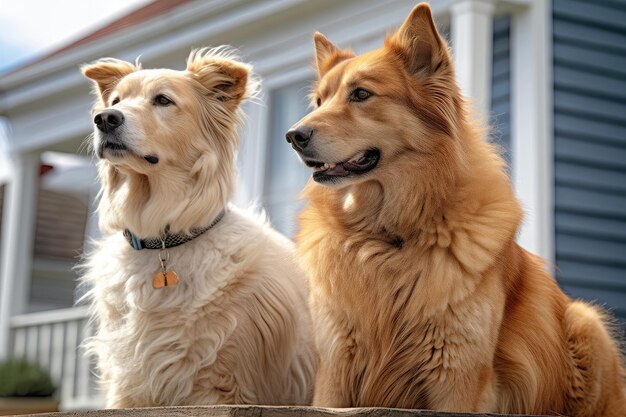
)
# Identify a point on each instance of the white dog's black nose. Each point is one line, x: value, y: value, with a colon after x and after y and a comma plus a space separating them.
x: 299, y: 137
x: 109, y: 120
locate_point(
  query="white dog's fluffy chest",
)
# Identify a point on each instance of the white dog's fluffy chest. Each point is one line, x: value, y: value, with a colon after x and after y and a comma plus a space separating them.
x: 166, y: 346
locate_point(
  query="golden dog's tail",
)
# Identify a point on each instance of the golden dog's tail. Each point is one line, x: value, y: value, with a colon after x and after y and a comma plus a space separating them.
x: 597, y: 381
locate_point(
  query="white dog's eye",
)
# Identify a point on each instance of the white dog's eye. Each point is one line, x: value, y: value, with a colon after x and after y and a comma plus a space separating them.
x: 115, y: 101
x: 162, y: 100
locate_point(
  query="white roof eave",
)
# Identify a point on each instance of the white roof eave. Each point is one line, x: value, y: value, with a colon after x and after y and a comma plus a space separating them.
x: 51, y: 75
x: 149, y: 29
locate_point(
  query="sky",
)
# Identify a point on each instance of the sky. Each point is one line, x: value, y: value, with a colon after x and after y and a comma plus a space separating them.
x: 30, y: 28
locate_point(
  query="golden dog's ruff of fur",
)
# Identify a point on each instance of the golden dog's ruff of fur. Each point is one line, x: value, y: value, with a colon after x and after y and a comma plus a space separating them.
x: 235, y: 329
x: 420, y: 296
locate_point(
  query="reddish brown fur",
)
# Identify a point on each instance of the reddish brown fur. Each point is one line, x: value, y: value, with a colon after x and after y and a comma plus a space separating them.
x: 421, y: 297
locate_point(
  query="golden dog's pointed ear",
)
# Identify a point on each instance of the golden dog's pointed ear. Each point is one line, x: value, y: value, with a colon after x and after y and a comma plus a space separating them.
x: 419, y: 44
x: 222, y: 74
x: 106, y: 73
x: 327, y: 55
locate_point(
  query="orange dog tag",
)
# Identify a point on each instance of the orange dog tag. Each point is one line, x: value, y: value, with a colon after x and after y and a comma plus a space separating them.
x: 164, y: 279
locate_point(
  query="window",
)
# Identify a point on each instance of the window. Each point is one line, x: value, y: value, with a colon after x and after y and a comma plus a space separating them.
x: 285, y: 175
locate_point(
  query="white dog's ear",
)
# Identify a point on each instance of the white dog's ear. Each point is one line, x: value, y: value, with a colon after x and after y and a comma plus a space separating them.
x: 223, y: 76
x: 419, y: 44
x: 106, y: 73
x: 327, y: 55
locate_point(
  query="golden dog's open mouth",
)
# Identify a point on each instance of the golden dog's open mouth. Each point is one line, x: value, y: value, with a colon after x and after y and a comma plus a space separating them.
x: 359, y: 164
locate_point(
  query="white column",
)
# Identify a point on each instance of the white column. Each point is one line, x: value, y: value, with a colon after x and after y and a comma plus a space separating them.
x: 92, y: 230
x: 472, y: 42
x: 531, y: 124
x: 18, y: 230
x: 253, y: 155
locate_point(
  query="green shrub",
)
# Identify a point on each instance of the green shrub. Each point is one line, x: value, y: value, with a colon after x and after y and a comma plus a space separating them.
x: 19, y: 378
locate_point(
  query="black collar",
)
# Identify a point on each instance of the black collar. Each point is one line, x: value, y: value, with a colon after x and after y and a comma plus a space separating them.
x: 169, y: 240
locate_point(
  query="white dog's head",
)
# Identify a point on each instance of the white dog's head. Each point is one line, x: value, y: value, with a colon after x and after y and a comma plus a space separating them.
x: 167, y: 140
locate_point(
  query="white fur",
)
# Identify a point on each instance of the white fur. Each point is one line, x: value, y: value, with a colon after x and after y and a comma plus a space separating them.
x: 234, y: 330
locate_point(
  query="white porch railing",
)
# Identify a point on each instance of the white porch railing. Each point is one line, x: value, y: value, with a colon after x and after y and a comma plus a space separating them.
x: 52, y: 339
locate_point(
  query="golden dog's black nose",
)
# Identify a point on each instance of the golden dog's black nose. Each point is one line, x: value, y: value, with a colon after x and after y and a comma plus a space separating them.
x: 109, y: 120
x: 299, y: 137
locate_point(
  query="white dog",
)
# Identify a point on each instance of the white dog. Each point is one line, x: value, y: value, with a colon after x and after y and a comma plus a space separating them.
x: 195, y: 302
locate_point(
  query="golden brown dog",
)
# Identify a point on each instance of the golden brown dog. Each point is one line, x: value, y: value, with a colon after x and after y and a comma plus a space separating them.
x: 420, y: 295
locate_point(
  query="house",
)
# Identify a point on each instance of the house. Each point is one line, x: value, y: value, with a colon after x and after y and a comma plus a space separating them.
x: 549, y: 75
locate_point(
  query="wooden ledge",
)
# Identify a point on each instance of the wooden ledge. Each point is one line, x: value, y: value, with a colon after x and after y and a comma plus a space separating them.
x: 263, y: 411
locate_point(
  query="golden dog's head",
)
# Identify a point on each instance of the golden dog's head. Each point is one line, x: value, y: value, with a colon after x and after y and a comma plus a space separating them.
x: 382, y: 113
x: 166, y: 135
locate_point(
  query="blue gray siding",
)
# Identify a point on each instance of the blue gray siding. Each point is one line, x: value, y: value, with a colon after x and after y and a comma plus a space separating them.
x: 590, y: 149
x: 500, y: 119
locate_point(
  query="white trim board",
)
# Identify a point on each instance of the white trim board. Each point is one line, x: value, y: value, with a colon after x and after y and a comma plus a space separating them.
x: 531, y: 124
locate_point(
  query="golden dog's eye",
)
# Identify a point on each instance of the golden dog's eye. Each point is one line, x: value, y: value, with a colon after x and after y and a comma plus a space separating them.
x: 319, y: 102
x: 360, y: 94
x: 161, y: 100
x: 115, y: 101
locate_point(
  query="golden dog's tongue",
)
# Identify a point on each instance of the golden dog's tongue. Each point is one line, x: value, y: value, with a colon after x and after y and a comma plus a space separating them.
x: 337, y: 170
x: 355, y: 163
x: 361, y: 162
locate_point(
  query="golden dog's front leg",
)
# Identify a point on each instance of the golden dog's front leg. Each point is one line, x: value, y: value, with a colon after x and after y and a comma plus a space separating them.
x: 460, y: 374
x: 468, y: 390
x: 329, y: 391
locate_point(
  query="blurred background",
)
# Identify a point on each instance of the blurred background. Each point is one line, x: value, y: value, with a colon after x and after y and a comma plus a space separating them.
x: 548, y: 76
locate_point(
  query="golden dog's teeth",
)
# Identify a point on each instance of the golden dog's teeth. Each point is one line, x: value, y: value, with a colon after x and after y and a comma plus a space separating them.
x: 331, y: 165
